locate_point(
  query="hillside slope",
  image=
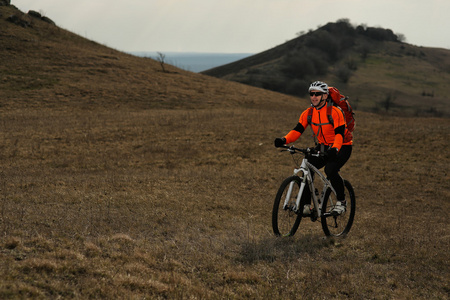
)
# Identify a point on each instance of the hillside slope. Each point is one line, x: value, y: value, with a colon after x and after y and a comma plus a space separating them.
x: 45, y: 65
x: 380, y: 73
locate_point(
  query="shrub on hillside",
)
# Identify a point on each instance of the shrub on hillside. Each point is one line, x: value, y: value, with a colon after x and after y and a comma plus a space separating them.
x: 364, y: 50
x: 352, y: 64
x: 379, y: 34
x: 343, y: 73
x: 297, y: 65
x: 297, y: 87
x: 325, y: 42
x: 342, y: 26
x: 302, y: 64
x: 273, y: 84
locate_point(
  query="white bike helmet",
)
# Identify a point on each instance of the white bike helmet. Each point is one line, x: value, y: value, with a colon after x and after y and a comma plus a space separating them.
x: 318, y: 86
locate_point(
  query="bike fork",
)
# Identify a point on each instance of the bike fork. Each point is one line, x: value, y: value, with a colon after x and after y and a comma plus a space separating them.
x: 296, y: 206
x: 288, y: 195
x: 299, y: 196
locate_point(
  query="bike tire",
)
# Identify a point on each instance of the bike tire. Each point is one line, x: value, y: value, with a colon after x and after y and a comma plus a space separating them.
x: 338, y: 225
x: 285, y: 221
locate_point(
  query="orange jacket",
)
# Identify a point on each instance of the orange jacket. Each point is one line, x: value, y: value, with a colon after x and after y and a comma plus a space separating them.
x: 326, y: 133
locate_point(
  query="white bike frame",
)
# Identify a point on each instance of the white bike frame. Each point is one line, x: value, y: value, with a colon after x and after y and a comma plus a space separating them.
x: 306, y: 168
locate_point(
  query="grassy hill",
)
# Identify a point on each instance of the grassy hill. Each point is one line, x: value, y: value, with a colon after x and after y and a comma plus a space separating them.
x: 119, y: 180
x: 378, y: 72
x: 50, y: 66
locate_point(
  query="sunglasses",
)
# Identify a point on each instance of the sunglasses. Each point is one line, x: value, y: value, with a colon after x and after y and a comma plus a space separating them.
x: 315, y: 94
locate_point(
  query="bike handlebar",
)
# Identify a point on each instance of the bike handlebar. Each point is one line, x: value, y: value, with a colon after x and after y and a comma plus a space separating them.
x: 306, y: 151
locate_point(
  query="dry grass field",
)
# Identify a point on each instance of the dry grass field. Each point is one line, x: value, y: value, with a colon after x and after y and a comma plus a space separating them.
x: 177, y: 204
x: 120, y: 181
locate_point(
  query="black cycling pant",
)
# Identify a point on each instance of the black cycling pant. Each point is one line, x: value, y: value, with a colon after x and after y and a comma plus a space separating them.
x: 332, y: 168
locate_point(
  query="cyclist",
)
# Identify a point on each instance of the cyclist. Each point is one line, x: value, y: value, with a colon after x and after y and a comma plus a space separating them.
x: 330, y: 139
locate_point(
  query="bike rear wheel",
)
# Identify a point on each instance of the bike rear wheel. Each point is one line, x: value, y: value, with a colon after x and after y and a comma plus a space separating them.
x: 338, y: 225
x: 285, y: 221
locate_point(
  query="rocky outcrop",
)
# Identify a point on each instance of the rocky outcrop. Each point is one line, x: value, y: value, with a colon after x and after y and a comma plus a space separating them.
x: 19, y: 21
x: 37, y: 15
x: 26, y: 20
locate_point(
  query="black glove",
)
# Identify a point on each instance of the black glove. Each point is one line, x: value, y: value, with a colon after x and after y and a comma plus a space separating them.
x: 279, y: 142
x: 332, y: 153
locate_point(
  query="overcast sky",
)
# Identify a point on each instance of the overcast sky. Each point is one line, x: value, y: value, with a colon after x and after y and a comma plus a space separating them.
x: 236, y: 26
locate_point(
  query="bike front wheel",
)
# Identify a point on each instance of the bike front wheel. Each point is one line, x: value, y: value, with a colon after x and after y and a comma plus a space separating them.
x: 285, y: 220
x: 338, y: 225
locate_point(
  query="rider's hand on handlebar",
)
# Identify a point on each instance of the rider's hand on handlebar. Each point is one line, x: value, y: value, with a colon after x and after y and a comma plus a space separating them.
x: 279, y: 142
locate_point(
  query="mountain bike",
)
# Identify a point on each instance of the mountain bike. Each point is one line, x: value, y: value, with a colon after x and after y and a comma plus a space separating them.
x: 300, y: 189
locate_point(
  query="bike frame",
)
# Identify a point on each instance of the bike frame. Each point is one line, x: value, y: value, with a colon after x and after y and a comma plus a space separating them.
x: 307, y: 169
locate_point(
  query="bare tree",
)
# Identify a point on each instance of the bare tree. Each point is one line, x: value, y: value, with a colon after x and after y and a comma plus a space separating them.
x: 162, y: 60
